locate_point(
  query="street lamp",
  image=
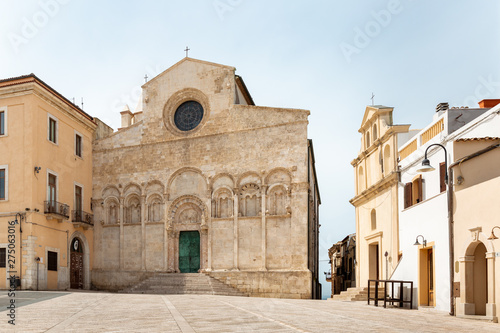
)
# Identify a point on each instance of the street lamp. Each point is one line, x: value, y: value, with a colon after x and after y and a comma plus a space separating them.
x: 423, y: 241
x: 426, y: 167
x: 492, y: 237
x: 426, y: 164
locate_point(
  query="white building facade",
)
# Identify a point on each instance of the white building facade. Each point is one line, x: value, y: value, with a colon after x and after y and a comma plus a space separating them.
x: 423, y: 208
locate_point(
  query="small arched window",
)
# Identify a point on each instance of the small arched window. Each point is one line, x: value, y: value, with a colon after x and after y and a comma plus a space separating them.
x: 375, y: 132
x: 367, y: 140
x: 387, y: 159
x: 361, y: 180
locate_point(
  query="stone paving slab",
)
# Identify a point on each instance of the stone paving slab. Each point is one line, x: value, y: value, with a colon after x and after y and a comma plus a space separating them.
x: 110, y: 312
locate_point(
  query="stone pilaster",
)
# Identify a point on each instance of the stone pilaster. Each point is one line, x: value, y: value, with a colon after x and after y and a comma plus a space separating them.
x: 263, y: 227
x: 122, y: 234
x: 235, y: 229
x: 143, y: 232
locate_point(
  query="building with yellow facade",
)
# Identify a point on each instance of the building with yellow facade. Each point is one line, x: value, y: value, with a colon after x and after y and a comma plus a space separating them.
x: 45, y: 186
x: 376, y: 199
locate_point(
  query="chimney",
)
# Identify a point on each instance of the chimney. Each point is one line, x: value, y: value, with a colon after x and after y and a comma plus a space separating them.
x: 126, y: 117
x: 488, y: 103
x: 442, y: 107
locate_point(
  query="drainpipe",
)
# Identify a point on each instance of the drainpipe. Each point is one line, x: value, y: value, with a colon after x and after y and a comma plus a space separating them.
x: 37, y: 263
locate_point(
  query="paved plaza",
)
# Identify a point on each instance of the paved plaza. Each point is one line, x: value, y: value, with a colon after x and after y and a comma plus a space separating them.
x: 111, y: 312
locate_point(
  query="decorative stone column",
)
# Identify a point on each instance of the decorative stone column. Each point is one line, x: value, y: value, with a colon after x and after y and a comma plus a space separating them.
x: 206, y: 221
x: 204, y: 249
x: 122, y: 235
x: 490, y: 304
x: 165, y: 235
x: 143, y: 232
x: 263, y: 228
x: 175, y: 252
x: 171, y: 249
x: 466, y: 305
x: 235, y: 230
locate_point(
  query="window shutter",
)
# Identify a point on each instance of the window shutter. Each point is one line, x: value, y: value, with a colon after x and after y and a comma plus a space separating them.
x: 408, y: 199
x: 419, y: 189
x: 442, y: 173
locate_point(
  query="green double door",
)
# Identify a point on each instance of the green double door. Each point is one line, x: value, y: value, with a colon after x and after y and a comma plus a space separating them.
x: 189, y: 251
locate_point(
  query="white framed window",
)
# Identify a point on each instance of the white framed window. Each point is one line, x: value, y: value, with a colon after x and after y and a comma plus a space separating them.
x: 52, y: 186
x: 52, y: 129
x: 3, y: 121
x: 4, y: 182
x: 78, y: 144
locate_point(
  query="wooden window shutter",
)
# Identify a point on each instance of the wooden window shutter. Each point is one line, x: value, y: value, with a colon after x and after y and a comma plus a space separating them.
x: 419, y: 189
x: 408, y: 198
x: 442, y: 174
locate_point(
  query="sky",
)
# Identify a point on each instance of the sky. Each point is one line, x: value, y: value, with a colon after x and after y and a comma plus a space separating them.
x: 328, y: 57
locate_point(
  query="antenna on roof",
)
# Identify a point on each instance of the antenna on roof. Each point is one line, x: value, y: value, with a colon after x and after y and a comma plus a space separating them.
x: 74, y: 101
x: 82, y: 103
x: 372, y: 98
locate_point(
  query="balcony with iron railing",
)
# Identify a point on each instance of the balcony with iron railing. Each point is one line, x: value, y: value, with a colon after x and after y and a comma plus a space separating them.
x: 56, y: 210
x: 81, y: 218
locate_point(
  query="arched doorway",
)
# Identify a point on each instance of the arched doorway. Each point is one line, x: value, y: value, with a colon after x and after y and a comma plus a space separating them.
x: 480, y: 280
x: 76, y: 264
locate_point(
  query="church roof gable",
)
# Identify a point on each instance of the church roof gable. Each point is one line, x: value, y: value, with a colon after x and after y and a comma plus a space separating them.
x: 187, y: 59
x: 371, y: 111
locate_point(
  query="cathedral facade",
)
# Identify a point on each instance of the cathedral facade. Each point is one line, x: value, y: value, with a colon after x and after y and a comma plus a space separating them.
x: 199, y: 179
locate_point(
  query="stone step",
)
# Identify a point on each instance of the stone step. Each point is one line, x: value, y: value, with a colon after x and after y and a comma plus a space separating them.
x: 182, y: 283
x: 357, y: 294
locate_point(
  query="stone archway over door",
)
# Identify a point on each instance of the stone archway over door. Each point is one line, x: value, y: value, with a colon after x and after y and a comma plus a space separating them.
x: 83, y: 260
x: 477, y: 276
x: 76, y: 264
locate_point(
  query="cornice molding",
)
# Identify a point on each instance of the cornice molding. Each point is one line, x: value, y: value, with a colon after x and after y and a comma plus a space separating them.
x: 49, y: 99
x: 385, y: 183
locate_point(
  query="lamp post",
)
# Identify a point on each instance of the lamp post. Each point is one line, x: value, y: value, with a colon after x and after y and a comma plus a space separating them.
x: 426, y: 167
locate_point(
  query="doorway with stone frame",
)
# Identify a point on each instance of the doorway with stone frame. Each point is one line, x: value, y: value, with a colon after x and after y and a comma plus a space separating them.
x: 187, y: 232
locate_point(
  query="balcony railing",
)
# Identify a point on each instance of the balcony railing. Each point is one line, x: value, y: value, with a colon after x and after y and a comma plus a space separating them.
x: 79, y: 216
x: 56, y: 208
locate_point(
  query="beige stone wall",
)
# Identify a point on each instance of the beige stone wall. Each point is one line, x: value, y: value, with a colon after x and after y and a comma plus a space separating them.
x: 240, y: 178
x: 476, y: 212
x: 269, y: 284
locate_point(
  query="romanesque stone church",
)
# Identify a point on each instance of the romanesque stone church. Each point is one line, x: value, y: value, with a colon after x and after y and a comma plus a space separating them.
x: 200, y: 179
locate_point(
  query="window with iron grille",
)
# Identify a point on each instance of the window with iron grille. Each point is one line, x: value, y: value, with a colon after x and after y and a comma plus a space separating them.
x: 52, y: 261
